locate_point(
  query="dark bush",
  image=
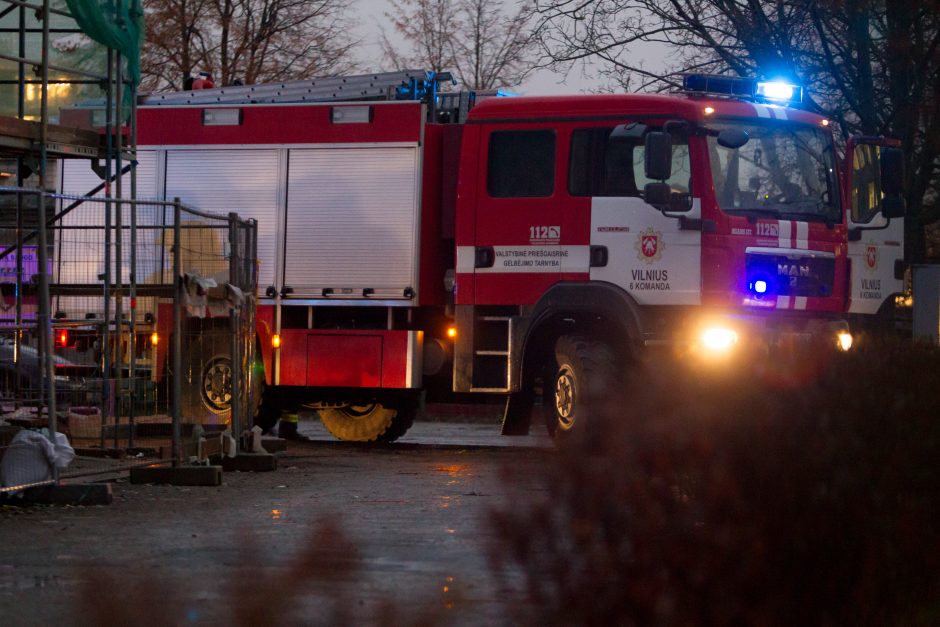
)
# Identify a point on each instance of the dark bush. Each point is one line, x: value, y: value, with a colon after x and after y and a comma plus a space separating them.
x: 798, y: 491
x: 320, y: 584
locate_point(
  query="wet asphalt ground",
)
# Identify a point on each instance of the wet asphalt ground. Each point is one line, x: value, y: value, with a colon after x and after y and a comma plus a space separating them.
x: 411, y: 522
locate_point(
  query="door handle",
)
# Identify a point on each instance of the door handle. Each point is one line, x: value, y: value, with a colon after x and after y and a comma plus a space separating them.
x: 484, y: 257
x: 599, y: 256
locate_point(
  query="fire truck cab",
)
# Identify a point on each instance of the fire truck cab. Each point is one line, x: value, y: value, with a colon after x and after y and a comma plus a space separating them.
x: 590, y: 228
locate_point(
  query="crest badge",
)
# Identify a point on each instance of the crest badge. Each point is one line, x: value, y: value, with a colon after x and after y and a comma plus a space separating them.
x: 871, y: 257
x: 649, y: 245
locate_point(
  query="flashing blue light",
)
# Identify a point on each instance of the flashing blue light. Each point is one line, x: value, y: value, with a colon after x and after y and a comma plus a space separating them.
x: 776, y: 91
x: 760, y: 287
x: 779, y: 91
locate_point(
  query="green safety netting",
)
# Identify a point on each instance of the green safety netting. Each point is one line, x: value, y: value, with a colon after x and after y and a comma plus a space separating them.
x: 118, y: 24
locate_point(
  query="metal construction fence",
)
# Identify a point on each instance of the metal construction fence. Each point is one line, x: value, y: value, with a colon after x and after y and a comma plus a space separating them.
x: 139, y: 341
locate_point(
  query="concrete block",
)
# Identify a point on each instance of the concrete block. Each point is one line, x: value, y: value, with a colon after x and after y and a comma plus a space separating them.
x: 180, y: 475
x: 105, y: 453
x: 77, y: 494
x: 250, y: 462
x: 274, y: 445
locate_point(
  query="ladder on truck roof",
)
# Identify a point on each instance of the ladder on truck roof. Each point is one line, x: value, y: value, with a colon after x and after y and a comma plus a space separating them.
x: 400, y: 85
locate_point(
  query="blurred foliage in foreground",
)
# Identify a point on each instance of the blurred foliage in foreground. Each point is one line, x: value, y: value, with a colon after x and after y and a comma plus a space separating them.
x: 776, y: 492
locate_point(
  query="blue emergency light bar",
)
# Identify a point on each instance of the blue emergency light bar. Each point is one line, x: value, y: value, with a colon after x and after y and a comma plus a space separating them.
x: 778, y: 92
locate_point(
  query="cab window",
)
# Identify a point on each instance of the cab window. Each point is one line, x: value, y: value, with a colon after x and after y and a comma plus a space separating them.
x: 521, y: 164
x: 599, y: 167
x: 866, y: 183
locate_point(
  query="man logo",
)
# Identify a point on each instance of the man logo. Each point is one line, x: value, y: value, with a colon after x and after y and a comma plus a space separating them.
x: 649, y: 245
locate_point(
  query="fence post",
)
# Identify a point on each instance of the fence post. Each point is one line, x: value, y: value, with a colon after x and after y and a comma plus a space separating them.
x: 236, y: 330
x: 177, y: 344
x: 45, y: 323
x: 236, y: 375
x: 120, y: 392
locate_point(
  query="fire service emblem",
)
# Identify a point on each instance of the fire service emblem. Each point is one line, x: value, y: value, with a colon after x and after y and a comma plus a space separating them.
x: 871, y: 257
x: 649, y: 245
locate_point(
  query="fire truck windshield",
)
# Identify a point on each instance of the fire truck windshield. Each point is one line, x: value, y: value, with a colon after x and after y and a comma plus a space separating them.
x: 784, y: 170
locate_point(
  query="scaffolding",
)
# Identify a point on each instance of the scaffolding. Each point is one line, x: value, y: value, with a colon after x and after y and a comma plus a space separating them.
x: 38, y: 63
x: 69, y: 71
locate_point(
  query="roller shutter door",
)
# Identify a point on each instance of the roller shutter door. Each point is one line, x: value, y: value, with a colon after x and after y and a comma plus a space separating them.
x: 220, y: 181
x: 352, y: 219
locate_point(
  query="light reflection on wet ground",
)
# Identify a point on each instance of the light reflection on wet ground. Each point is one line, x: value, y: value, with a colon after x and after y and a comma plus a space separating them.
x: 444, y: 434
x: 417, y: 514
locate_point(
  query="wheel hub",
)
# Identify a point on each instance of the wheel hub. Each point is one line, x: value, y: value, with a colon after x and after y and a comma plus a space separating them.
x: 217, y: 384
x: 564, y: 395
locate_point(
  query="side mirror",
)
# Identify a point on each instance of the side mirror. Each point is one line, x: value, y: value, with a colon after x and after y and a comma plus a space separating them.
x: 892, y: 171
x: 661, y: 196
x: 658, y: 194
x: 733, y: 138
x: 658, y: 152
x: 680, y: 203
x: 892, y: 207
x: 892, y: 182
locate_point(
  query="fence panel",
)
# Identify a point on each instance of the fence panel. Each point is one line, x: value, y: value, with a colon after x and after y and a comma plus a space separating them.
x: 113, y: 291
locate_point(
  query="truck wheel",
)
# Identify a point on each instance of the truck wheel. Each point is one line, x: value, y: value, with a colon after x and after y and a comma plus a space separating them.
x: 207, y: 381
x: 215, y: 384
x: 404, y: 418
x: 207, y: 394
x: 361, y: 423
x: 584, y: 377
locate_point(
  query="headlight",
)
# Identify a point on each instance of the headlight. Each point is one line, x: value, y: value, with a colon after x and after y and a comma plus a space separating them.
x: 718, y: 339
x: 844, y: 339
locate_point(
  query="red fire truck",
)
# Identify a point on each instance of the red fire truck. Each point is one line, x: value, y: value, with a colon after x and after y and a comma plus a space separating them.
x: 408, y: 237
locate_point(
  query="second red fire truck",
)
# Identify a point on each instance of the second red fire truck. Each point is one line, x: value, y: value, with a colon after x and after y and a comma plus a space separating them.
x: 410, y: 239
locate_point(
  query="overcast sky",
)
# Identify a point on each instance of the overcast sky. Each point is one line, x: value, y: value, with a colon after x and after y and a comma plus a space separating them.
x: 371, y: 13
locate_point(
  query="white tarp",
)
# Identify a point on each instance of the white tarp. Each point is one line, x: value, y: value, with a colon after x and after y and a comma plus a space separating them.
x: 31, y: 456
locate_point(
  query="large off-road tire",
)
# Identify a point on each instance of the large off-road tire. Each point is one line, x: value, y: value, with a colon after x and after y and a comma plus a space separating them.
x: 366, y: 423
x: 404, y: 418
x: 583, y: 384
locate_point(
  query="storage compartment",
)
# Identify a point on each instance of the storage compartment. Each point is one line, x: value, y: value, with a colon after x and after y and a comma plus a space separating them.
x: 344, y: 360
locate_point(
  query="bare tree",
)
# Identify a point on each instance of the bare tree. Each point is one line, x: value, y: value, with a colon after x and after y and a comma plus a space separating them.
x: 871, y: 65
x: 427, y: 26
x: 486, y: 44
x: 175, y: 44
x: 247, y: 40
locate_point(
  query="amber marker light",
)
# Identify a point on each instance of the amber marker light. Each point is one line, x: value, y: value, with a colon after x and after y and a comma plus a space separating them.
x: 154, y: 338
x: 451, y: 332
x: 845, y: 340
x: 709, y: 110
x: 275, y: 341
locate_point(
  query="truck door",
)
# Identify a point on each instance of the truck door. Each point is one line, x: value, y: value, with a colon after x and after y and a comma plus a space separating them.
x: 520, y: 249
x: 876, y: 241
x: 648, y: 253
